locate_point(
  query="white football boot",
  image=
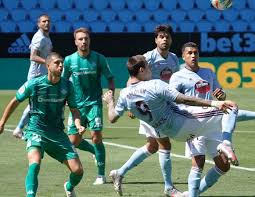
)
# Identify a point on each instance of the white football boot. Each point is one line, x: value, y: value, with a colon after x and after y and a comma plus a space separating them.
x: 68, y: 193
x: 226, y: 148
x: 173, y: 192
x: 117, y: 181
x: 18, y: 133
x: 100, y: 180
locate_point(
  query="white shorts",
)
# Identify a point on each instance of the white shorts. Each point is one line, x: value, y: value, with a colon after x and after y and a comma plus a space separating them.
x: 201, y: 146
x: 149, y: 131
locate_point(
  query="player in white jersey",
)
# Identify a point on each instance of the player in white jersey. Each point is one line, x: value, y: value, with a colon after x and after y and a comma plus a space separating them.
x: 202, y: 83
x: 155, y: 103
x: 163, y: 64
x: 40, y: 48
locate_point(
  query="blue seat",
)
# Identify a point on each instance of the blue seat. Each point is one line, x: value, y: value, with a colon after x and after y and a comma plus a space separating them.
x: 239, y: 4
x: 99, y: 4
x: 82, y: 5
x: 204, y: 26
x: 126, y: 15
x: 247, y: 14
x: 90, y: 15
x: 143, y: 15
x: 3, y: 14
x: 134, y: 27
x: 134, y: 5
x: 149, y: 26
x: 169, y: 5
x: 222, y: 26
x: 173, y: 25
x: 55, y: 15
x: 8, y: 26
x: 116, y: 26
x: 11, y: 4
x: 80, y: 23
x: 108, y: 15
x: 213, y: 15
x: 230, y: 14
x: 35, y: 13
x: 62, y: 26
x: 251, y: 4
x: 252, y: 26
x: 195, y: 14
x: 151, y: 5
x: 203, y: 4
x: 186, y: 5
x: 28, y: 4
x: 19, y: 14
x: 161, y: 16
x: 73, y: 15
x: 187, y: 26
x: 26, y: 26
x: 98, y: 26
x: 240, y: 26
x: 178, y: 15
x: 117, y: 5
x: 64, y: 4
x: 48, y: 4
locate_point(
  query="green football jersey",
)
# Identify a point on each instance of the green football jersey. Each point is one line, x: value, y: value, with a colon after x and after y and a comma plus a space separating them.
x: 47, y: 104
x: 85, y: 73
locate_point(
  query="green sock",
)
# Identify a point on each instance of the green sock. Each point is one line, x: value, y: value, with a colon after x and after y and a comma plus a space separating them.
x: 74, y: 179
x: 32, y: 179
x: 86, y: 146
x: 100, y: 157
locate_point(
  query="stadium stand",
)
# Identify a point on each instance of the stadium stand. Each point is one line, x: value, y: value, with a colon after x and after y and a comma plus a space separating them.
x: 26, y: 26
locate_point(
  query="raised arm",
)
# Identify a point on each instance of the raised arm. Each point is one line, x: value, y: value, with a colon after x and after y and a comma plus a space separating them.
x: 109, y: 99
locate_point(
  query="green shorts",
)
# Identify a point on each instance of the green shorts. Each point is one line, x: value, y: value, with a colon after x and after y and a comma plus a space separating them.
x: 60, y: 148
x: 91, y: 118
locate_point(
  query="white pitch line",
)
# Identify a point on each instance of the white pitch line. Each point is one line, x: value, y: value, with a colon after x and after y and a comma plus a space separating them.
x: 172, y: 154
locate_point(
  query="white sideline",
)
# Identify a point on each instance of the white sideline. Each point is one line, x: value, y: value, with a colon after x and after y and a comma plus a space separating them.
x: 172, y: 154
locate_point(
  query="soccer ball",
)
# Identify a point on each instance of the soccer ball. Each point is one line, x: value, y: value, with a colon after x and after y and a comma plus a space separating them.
x: 222, y: 4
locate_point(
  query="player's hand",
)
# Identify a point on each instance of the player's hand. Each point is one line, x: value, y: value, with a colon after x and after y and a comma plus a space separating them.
x: 81, y: 130
x: 224, y: 105
x: 131, y: 115
x: 108, y: 96
x: 219, y: 94
x: 1, y: 127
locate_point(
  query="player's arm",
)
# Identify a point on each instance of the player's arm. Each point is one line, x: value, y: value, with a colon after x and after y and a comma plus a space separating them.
x: 218, y: 92
x: 34, y: 56
x: 77, y: 120
x: 13, y: 104
x: 109, y: 99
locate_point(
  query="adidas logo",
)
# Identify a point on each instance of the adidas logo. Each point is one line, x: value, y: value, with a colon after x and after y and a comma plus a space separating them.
x: 21, y: 45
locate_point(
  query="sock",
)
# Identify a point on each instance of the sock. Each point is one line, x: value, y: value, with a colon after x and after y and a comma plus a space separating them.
x: 244, y: 115
x: 166, y: 167
x: 228, y: 124
x: 194, y: 181
x: 74, y: 179
x: 100, y: 157
x: 24, y: 118
x: 210, y: 178
x: 32, y: 179
x: 136, y: 158
x: 86, y: 146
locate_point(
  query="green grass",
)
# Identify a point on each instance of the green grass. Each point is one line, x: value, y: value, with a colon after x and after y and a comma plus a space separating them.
x: 144, y: 180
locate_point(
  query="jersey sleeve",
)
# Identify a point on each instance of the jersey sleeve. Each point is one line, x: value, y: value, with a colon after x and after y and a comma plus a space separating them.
x: 176, y: 60
x: 121, y: 105
x: 66, y: 72
x: 105, y: 67
x: 71, y: 96
x: 215, y: 81
x: 165, y: 91
x: 175, y: 83
x: 37, y: 43
x: 23, y: 92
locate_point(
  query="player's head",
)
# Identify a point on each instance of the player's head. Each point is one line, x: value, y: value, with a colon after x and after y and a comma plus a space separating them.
x: 138, y: 67
x: 82, y: 39
x: 190, y: 54
x: 43, y: 22
x: 54, y: 62
x: 163, y: 37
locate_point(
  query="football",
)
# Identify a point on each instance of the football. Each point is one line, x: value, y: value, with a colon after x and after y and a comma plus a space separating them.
x: 221, y: 4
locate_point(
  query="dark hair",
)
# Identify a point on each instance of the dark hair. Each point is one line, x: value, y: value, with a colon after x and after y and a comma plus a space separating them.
x: 51, y: 55
x: 81, y: 29
x: 165, y: 28
x: 39, y: 17
x: 134, y: 63
x: 189, y: 44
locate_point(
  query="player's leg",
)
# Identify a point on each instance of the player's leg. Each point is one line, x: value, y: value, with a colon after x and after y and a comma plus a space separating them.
x: 18, y: 133
x: 245, y: 115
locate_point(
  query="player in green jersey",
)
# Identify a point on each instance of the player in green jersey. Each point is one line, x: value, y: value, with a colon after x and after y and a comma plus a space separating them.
x: 45, y: 132
x: 85, y: 68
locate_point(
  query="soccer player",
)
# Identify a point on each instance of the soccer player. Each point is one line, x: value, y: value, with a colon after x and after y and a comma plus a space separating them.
x: 45, y: 132
x: 85, y: 68
x: 155, y: 103
x: 201, y: 82
x: 40, y: 47
x: 163, y: 63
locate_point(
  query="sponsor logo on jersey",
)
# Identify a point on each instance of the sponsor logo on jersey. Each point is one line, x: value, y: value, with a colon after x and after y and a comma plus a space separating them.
x: 202, y: 87
x: 20, y: 45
